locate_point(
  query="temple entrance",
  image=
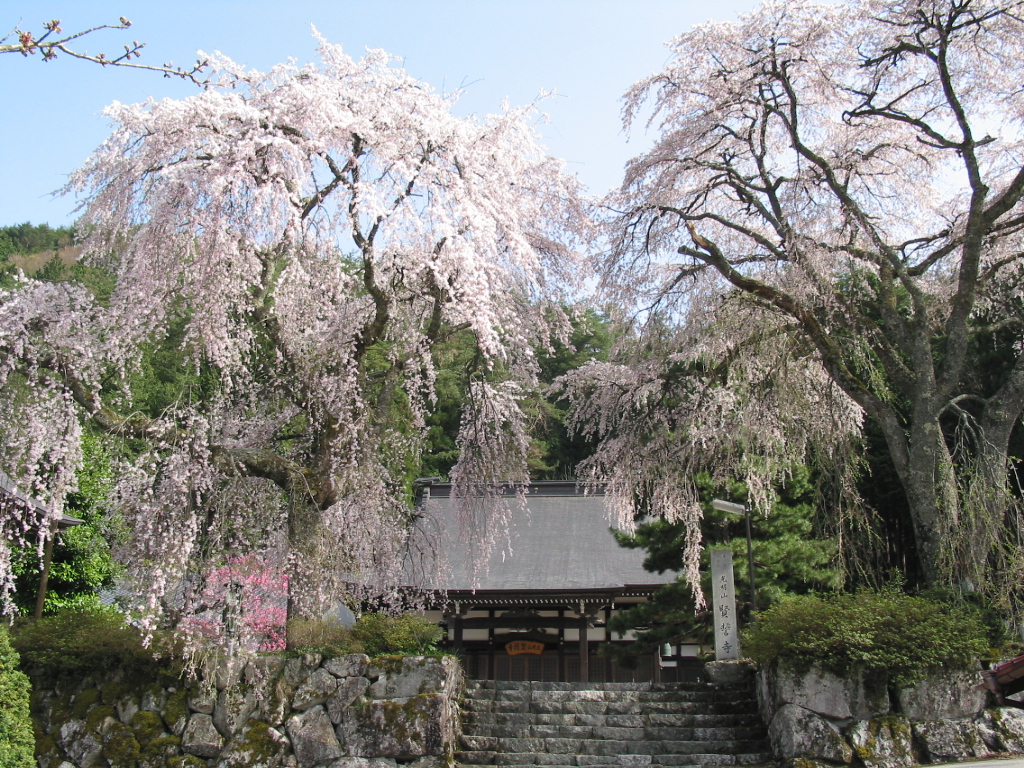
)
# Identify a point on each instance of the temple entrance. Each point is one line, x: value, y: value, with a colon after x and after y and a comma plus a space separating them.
x: 483, y: 662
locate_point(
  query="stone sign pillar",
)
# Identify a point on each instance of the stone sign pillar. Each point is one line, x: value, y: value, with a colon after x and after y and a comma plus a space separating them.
x: 723, y: 591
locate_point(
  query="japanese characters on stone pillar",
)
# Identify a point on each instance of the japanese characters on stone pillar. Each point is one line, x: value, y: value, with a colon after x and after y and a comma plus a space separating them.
x: 723, y: 603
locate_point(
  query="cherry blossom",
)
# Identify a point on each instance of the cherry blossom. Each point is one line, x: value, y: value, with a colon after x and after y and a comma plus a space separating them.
x: 826, y: 228
x: 319, y: 230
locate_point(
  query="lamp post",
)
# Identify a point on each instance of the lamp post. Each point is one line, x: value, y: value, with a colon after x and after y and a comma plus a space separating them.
x: 742, y: 509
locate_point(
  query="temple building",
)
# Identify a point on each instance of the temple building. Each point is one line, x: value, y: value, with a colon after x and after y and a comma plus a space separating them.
x: 537, y: 608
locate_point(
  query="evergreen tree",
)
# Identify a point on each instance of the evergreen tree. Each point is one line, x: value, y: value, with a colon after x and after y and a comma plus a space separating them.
x: 17, y: 741
x: 788, y: 559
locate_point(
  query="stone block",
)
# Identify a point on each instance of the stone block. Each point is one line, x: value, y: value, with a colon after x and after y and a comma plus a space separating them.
x: 154, y: 699
x: 1007, y: 725
x: 366, y: 762
x: 313, y: 738
x: 228, y: 671
x: 126, y: 707
x: 81, y: 745
x: 349, y: 689
x: 423, y: 674
x: 884, y: 742
x: 315, y: 689
x: 297, y: 670
x: 201, y: 738
x: 263, y: 669
x: 796, y: 732
x: 201, y: 700
x: 729, y: 672
x: 404, y: 729
x: 234, y: 706
x: 428, y: 761
x: 350, y: 665
x: 257, y: 745
x: 829, y: 695
x: 947, y: 741
x: 945, y: 695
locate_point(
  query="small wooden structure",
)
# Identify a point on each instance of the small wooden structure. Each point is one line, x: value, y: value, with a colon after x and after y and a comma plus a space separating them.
x: 539, y: 609
x: 10, y: 495
x: 1005, y: 680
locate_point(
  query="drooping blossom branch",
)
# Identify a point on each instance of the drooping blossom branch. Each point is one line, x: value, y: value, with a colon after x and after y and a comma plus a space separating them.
x: 316, y: 232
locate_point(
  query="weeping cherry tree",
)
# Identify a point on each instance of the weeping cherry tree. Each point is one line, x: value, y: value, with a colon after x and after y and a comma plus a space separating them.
x: 317, y: 232
x: 827, y: 229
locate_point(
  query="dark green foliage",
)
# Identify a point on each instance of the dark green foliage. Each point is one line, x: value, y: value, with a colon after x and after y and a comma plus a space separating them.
x: 17, y: 741
x: 374, y: 634
x: 331, y: 638
x: 407, y: 634
x: 82, y: 562
x: 885, y: 633
x: 557, y: 451
x: 88, y: 640
x: 788, y: 558
x: 554, y: 453
x: 29, y: 238
x: 993, y: 620
x: 166, y: 379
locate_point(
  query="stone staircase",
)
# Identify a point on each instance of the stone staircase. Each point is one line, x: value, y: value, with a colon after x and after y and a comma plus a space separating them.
x: 611, y: 724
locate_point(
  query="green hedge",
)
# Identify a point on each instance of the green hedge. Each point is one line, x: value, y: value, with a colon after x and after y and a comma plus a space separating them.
x: 886, y: 634
x: 88, y: 640
x: 374, y: 634
x: 17, y: 742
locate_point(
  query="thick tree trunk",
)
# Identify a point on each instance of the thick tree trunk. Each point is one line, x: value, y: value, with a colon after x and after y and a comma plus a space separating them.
x: 933, y: 499
x: 926, y: 471
x: 303, y: 533
x: 958, y: 512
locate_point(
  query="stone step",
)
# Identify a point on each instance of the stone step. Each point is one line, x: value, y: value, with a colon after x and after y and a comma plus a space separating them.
x: 518, y: 685
x: 513, y: 731
x: 655, y: 720
x: 679, y: 725
x: 592, y: 761
x: 525, y: 694
x: 610, y: 708
x: 591, y: 746
x: 749, y: 759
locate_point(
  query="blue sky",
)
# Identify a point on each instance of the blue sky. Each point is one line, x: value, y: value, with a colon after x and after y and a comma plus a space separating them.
x: 588, y: 51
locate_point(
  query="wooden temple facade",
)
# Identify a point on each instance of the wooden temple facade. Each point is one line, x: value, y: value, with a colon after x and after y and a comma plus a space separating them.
x: 540, y: 607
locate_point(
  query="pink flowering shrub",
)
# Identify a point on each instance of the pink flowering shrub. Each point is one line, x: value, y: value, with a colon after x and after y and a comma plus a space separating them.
x: 243, y: 604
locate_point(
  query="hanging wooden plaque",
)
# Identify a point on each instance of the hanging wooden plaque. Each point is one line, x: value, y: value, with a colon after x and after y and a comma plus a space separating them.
x: 517, y: 647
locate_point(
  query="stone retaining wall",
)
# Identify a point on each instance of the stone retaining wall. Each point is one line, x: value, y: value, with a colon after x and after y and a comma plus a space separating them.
x: 270, y: 712
x: 817, y: 717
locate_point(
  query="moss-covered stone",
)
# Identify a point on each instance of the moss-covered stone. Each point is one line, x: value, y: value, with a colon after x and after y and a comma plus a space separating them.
x: 386, y: 665
x: 121, y: 748
x: 176, y: 711
x: 60, y: 708
x: 186, y: 761
x: 147, y: 726
x: 45, y: 744
x: 97, y: 715
x: 111, y: 691
x: 39, y: 702
x: 159, y: 751
x: 84, y: 702
x: 256, y: 745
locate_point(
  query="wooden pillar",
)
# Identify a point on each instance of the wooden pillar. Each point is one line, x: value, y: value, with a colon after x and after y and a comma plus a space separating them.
x: 561, y: 647
x: 457, y: 628
x: 584, y: 648
x: 656, y: 677
x: 490, y: 648
x: 609, y: 677
x: 44, y: 577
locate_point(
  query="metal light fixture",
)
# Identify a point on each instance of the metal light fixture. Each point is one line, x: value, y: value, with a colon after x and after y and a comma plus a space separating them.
x: 732, y: 508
